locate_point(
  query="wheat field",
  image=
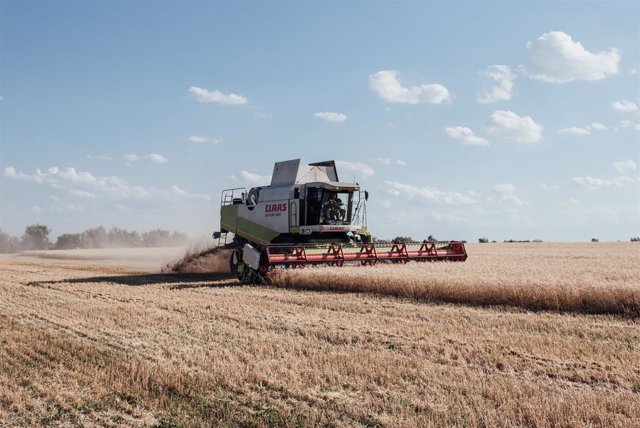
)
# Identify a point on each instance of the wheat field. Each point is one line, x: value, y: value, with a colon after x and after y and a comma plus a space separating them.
x: 90, y: 344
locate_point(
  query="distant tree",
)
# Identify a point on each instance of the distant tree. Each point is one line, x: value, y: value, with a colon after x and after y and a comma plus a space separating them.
x: 595, y: 240
x: 123, y: 238
x: 156, y: 238
x: 8, y: 243
x: 431, y: 238
x: 36, y: 237
x: 69, y: 241
x: 179, y: 238
x: 94, y: 238
x: 483, y: 240
x: 402, y: 239
x: 635, y: 239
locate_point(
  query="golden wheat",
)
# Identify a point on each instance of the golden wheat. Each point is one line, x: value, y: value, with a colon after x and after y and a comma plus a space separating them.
x: 92, y: 345
x: 565, y: 277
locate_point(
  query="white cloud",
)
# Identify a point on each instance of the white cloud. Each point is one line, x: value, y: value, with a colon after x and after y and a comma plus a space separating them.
x: 549, y: 187
x: 204, y: 96
x: 197, y: 139
x: 253, y: 178
x: 556, y: 58
x: 261, y: 114
x: 389, y: 162
x: 432, y: 194
x: 82, y: 194
x: 386, y: 84
x: 625, y: 106
x: 509, y: 125
x: 625, y: 166
x: 593, y: 182
x: 507, y: 193
x: 451, y: 217
x: 331, y: 116
x: 627, y: 124
x: 575, y: 131
x: 466, y: 135
x: 354, y: 168
x: 152, y: 157
x: 84, y: 184
x: 99, y: 157
x: 156, y: 158
x: 504, y: 77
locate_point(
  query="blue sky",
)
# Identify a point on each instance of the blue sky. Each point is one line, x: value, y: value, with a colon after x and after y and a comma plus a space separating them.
x: 463, y: 119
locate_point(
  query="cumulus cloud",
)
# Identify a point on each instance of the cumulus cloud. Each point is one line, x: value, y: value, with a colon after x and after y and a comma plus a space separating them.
x: 450, y: 217
x: 575, y: 131
x: 386, y: 84
x: 82, y: 194
x: 389, y: 162
x: 197, y: 139
x: 85, y: 185
x: 466, y: 135
x: 504, y: 77
x: 507, y: 193
x: 354, y: 168
x: 331, y: 116
x: 156, y: 158
x: 593, y: 182
x: 556, y: 58
x: 152, y: 157
x: 431, y: 194
x: 253, y: 178
x: 625, y: 106
x: 627, y: 124
x: 507, y: 124
x: 99, y: 157
x: 625, y: 166
x: 204, y: 96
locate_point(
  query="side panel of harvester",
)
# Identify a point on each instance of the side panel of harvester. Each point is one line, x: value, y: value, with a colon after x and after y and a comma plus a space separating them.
x: 260, y: 222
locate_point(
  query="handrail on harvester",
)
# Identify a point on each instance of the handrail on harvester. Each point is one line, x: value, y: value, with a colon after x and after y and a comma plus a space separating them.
x: 336, y: 254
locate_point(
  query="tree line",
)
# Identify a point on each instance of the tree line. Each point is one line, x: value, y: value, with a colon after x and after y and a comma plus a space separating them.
x: 36, y: 237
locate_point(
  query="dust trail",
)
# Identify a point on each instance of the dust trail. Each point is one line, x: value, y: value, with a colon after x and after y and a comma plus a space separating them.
x: 199, y: 260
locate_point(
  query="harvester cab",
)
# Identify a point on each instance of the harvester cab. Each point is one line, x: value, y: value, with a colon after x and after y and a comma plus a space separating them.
x: 305, y: 216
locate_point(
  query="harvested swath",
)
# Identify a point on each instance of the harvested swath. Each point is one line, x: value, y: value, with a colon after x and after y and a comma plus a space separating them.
x: 603, y: 282
x: 210, y: 260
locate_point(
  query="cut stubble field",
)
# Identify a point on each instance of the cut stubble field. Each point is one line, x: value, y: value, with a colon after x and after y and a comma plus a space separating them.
x: 519, y: 335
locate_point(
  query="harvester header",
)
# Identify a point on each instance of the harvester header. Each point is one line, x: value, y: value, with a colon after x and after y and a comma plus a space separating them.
x: 308, y: 216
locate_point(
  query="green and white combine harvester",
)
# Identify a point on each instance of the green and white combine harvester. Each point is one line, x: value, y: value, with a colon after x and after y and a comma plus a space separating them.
x: 308, y: 216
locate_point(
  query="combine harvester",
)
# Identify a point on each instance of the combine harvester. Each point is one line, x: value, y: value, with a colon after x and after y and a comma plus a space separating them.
x: 308, y: 216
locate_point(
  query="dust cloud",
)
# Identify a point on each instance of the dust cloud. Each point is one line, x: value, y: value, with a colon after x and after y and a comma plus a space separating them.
x: 201, y: 260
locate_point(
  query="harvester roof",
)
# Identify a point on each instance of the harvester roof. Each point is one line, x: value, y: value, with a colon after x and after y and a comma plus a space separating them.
x: 291, y: 172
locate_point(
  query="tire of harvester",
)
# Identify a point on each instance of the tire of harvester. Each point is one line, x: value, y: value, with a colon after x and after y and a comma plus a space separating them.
x: 233, y: 262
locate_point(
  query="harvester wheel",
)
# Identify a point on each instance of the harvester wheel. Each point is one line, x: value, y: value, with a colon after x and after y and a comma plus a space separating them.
x: 249, y: 276
x: 233, y: 262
